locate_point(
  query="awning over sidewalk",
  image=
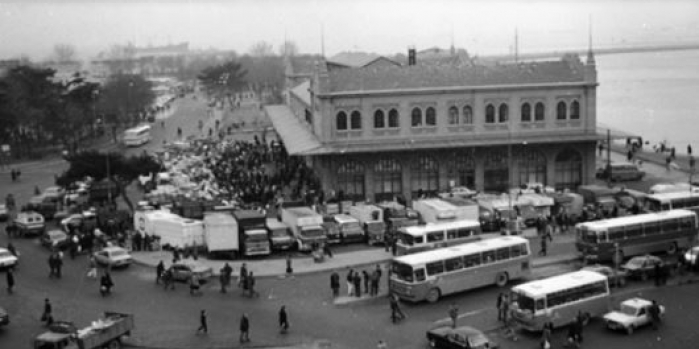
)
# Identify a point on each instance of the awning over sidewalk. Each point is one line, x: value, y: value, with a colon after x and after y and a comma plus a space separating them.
x: 297, y: 138
x: 614, y: 133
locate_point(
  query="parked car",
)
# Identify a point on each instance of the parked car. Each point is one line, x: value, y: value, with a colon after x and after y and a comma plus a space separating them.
x: 643, y: 267
x: 462, y: 192
x: 54, y: 193
x: 30, y: 223
x: 462, y: 337
x: 632, y: 314
x: 183, y: 271
x: 4, y: 317
x: 617, y: 278
x: 55, y: 239
x: 113, y: 256
x: 620, y: 171
x: 7, y: 259
x: 4, y: 213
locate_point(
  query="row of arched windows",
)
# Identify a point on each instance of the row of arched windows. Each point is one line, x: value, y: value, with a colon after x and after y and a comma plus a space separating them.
x: 493, y: 114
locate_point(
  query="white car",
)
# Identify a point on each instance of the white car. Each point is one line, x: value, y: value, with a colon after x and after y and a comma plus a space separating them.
x: 462, y: 192
x: 4, y: 213
x: 691, y: 256
x: 113, y: 256
x: 54, y: 193
x: 632, y: 314
x: 7, y: 259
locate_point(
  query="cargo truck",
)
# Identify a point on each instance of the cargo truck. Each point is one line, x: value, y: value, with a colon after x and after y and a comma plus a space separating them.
x: 350, y: 229
x: 103, y: 333
x: 305, y: 225
x: 279, y: 235
x: 252, y: 232
x: 221, y: 234
x: 435, y: 211
x: 371, y: 219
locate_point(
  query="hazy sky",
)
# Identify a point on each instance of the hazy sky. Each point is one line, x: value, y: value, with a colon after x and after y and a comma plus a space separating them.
x: 384, y: 26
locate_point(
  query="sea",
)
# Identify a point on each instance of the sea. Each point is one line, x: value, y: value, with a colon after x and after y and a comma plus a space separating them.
x: 654, y: 95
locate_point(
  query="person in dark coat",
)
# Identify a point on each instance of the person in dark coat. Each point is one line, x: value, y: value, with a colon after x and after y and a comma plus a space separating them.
x: 396, y: 312
x: 335, y: 283
x: 357, y: 282
x: 657, y: 274
x: 283, y: 320
x: 365, y: 276
x: 10, y: 280
x: 244, y: 329
x: 203, y: 325
x: 159, y: 270
x: 47, y: 316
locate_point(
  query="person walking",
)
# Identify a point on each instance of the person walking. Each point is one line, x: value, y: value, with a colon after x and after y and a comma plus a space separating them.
x: 194, y: 285
x: 365, y: 277
x: 335, y: 284
x: 47, y: 315
x: 350, y: 283
x: 500, y: 306
x: 546, y: 335
x: 396, y: 312
x: 283, y: 320
x: 244, y: 328
x: 10, y: 275
x: 654, y: 312
x: 542, y: 251
x: 251, y: 285
x: 203, y: 325
x: 243, y: 275
x: 106, y: 284
x: 289, y: 268
x: 159, y: 270
x: 357, y: 281
x: 453, y: 314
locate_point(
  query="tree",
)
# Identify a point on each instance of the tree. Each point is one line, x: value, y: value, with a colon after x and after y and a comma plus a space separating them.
x: 115, y: 167
x: 222, y: 81
x: 121, y: 58
x: 261, y: 49
x: 64, y: 53
x: 126, y: 95
x: 288, y: 49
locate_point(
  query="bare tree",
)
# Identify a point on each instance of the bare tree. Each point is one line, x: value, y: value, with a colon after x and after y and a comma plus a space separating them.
x: 288, y: 48
x: 64, y: 53
x: 261, y: 49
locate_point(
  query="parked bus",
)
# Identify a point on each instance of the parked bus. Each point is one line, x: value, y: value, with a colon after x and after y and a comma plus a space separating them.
x: 558, y: 299
x: 137, y: 136
x: 672, y: 201
x: 432, y: 274
x: 427, y: 237
x: 636, y: 235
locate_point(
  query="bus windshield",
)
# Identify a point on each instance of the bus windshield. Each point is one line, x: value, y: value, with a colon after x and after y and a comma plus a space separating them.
x: 525, y: 302
x: 587, y: 235
x: 409, y: 240
x: 402, y: 272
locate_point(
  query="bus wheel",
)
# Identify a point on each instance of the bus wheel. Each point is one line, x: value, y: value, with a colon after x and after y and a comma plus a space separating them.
x: 433, y: 343
x: 629, y: 330
x: 433, y: 295
x: 672, y: 249
x: 115, y: 344
x: 501, y: 279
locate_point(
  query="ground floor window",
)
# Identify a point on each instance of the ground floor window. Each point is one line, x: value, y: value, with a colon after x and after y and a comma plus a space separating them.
x: 461, y: 171
x: 350, y: 180
x: 532, y: 167
x: 388, y: 180
x: 568, y: 169
x: 424, y: 176
x: 496, y: 172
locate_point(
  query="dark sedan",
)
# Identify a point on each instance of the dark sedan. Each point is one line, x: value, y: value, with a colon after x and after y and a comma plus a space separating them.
x: 617, y: 278
x: 463, y: 337
x: 643, y: 267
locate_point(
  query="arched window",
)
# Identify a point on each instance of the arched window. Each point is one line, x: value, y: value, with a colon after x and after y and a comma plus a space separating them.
x: 453, y: 115
x: 489, y: 114
x: 561, y: 111
x: 568, y: 169
x: 341, y: 121
x: 430, y: 117
x: 468, y: 115
x: 503, y: 113
x: 350, y: 179
x: 424, y: 174
x: 416, y: 117
x: 356, y: 120
x: 526, y: 112
x: 496, y: 172
x: 393, y: 118
x: 575, y: 110
x: 532, y: 167
x: 388, y: 179
x: 462, y: 170
x: 539, y: 112
x: 379, y: 121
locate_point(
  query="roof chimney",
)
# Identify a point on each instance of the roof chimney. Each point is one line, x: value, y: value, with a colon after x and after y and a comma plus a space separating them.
x: 412, y: 58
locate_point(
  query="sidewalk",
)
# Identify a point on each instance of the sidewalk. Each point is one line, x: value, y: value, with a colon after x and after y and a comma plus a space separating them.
x: 648, y: 155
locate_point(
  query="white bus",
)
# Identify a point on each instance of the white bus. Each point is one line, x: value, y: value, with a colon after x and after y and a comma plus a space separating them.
x: 432, y: 274
x: 672, y: 201
x: 137, y: 136
x: 427, y: 237
x: 558, y: 299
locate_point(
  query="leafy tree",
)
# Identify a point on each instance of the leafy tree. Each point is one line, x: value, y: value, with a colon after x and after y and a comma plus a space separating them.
x: 261, y: 49
x: 117, y: 168
x: 126, y: 95
x: 221, y: 81
x: 79, y: 101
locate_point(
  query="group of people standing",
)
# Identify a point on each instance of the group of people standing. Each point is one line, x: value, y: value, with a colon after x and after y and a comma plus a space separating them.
x: 370, y: 279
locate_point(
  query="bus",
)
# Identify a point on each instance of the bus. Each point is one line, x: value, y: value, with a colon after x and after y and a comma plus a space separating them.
x: 137, y: 136
x: 636, y: 235
x: 431, y: 274
x: 558, y: 299
x: 672, y: 201
x: 427, y: 237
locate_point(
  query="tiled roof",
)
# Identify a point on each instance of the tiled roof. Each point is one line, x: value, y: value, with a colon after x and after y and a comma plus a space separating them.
x: 297, y: 138
x: 453, y: 75
x: 353, y: 59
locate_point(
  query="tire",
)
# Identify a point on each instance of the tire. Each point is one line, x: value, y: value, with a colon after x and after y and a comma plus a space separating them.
x: 629, y: 330
x: 115, y: 344
x: 433, y: 295
x: 502, y: 279
x: 673, y: 249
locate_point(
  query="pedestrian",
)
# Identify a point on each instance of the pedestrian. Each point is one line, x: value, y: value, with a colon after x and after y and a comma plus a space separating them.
x: 396, y: 312
x: 92, y: 268
x: 654, y: 312
x: 335, y: 284
x: 47, y: 315
x: 289, y: 269
x: 572, y: 335
x: 194, y: 285
x: 378, y: 273
x: 546, y: 335
x: 657, y: 274
x: 365, y: 277
x: 350, y: 283
x: 203, y: 326
x: 600, y: 147
x: 357, y: 281
x: 106, y: 284
x: 243, y: 275
x: 542, y: 251
x: 159, y: 270
x: 689, y: 149
x: 327, y: 251
x: 500, y: 304
x: 579, y: 325
x: 244, y: 328
x: 283, y: 320
x: 10, y: 275
x: 453, y: 314
x: 222, y: 279
x: 169, y: 279
x: 251, y: 285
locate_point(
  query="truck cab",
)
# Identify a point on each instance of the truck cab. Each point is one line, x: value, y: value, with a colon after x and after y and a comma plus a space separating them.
x: 350, y: 229
x: 305, y: 224
x: 332, y: 231
x: 253, y: 232
x: 279, y: 235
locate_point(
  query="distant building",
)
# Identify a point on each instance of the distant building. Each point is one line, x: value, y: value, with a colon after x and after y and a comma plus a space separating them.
x: 380, y: 131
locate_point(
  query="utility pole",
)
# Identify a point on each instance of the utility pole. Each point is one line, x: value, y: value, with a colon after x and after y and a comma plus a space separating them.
x: 509, y: 181
x: 609, y: 158
x: 109, y: 181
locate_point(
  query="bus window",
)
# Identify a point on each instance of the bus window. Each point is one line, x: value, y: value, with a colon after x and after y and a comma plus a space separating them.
x: 687, y: 222
x: 420, y: 275
x: 518, y: 250
x: 454, y: 264
x: 435, y: 268
x: 503, y: 253
x: 615, y: 234
x: 671, y: 225
x: 403, y: 272
x: 488, y: 257
x: 651, y: 228
x: 526, y: 303
x: 435, y: 236
x: 472, y: 260
x: 633, y: 231
x: 587, y: 235
x: 452, y: 234
x: 464, y: 233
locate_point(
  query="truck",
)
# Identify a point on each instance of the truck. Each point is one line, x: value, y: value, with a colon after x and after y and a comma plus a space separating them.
x: 466, y: 209
x: 221, y: 234
x: 435, y: 211
x: 105, y: 333
x: 305, y: 224
x: 252, y: 232
x: 331, y: 229
x: 173, y: 230
x: 349, y: 227
x: 397, y: 216
x: 279, y: 235
x: 371, y: 219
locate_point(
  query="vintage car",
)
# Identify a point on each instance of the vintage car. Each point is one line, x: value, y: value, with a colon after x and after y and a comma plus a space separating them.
x: 617, y: 278
x: 465, y: 337
x: 30, y: 223
x: 113, y: 256
x: 55, y: 194
x: 643, y: 267
x: 7, y: 259
x: 183, y: 271
x: 632, y: 314
x: 55, y: 239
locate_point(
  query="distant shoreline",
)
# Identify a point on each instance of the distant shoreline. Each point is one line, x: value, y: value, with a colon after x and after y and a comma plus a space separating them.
x: 598, y: 51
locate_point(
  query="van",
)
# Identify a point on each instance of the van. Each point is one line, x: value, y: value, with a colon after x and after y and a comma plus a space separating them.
x: 30, y: 223
x: 621, y: 172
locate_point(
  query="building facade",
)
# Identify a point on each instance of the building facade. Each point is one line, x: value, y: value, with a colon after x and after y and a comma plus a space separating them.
x: 382, y: 131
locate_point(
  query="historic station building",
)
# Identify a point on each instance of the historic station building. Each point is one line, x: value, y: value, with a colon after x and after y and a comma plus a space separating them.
x: 382, y: 129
